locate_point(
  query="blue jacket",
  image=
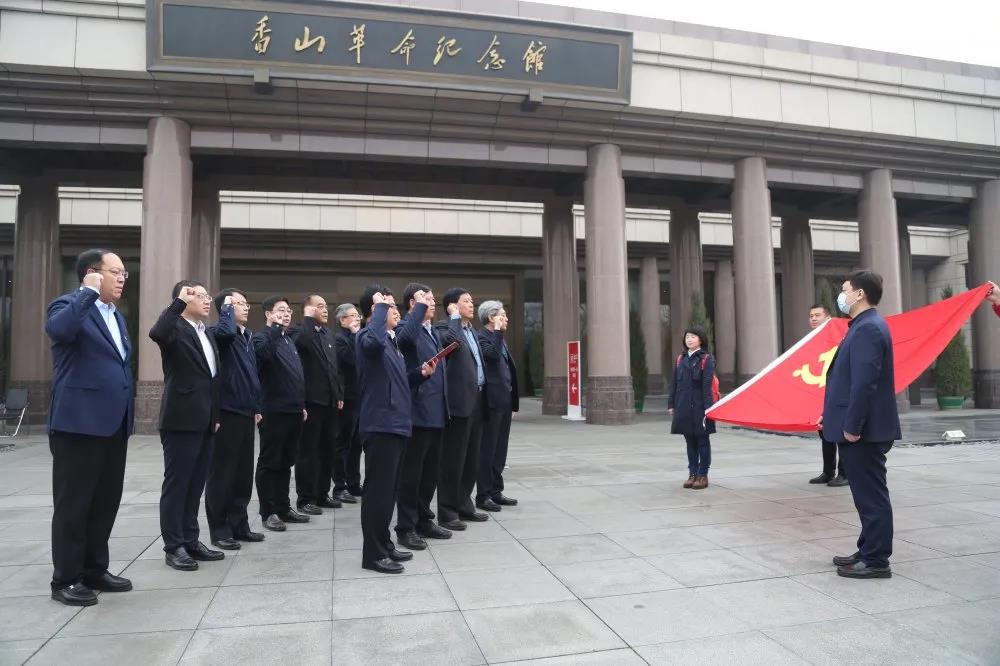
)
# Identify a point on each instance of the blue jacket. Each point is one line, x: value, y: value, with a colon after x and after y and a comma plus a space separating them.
x: 92, y: 387
x: 240, y: 392
x: 860, y: 384
x: 691, y: 394
x: 501, y: 373
x: 282, y: 380
x: 382, y: 380
x: 429, y: 398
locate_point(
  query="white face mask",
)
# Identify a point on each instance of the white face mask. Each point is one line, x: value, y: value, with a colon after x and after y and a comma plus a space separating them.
x: 843, y: 305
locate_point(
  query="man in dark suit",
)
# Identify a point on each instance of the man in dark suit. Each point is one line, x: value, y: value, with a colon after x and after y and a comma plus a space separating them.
x: 347, y: 455
x: 385, y: 425
x: 833, y: 475
x: 429, y: 406
x: 859, y: 413
x: 466, y: 379
x: 189, y: 417
x: 501, y: 401
x: 324, y: 400
x: 283, y: 412
x: 90, y: 421
x: 230, y: 477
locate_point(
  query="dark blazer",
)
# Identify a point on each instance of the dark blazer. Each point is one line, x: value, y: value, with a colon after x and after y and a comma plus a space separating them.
x: 501, y: 373
x: 190, y: 401
x: 240, y: 391
x: 319, y: 362
x: 91, y: 382
x: 860, y: 393
x: 282, y: 380
x: 430, y: 398
x: 345, y: 345
x: 691, y: 394
x: 463, y: 378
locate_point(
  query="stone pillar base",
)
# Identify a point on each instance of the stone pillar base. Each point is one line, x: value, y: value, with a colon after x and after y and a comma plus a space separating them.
x: 147, y: 407
x: 656, y: 385
x: 903, y: 402
x: 986, y: 388
x: 554, y: 396
x: 727, y: 382
x: 610, y: 400
x: 39, y: 398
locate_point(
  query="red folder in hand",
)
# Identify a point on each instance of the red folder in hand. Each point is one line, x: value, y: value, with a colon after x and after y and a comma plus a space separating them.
x: 444, y: 353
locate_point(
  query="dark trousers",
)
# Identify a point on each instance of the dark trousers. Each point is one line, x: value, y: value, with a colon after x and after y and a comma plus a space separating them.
x: 186, y: 456
x: 418, y: 479
x: 383, y: 454
x: 493, y: 454
x: 460, y: 464
x: 830, y: 459
x: 347, y: 454
x: 279, y: 444
x: 230, y: 477
x: 314, y: 464
x: 699, y: 450
x: 87, y: 477
x: 865, y: 465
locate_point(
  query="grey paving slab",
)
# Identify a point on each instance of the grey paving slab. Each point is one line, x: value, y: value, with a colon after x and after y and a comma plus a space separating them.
x: 621, y: 657
x: 902, y: 551
x: 810, y: 527
x: 579, y: 548
x: 733, y: 535
x: 141, y: 612
x: 965, y: 577
x: 305, y: 643
x: 611, y: 577
x: 156, y: 575
x: 22, y: 552
x: 877, y: 596
x: 710, y: 567
x: 505, y: 587
x: 533, y: 528
x: 661, y: 541
x: 426, y: 638
x: 15, y: 653
x: 391, y: 595
x: 734, y: 650
x: 24, y: 618
x: 797, y: 557
x: 252, y: 568
x: 304, y: 541
x: 967, y: 630
x: 152, y: 649
x: 347, y: 564
x: 277, y: 603
x: 470, y: 556
x: 957, y: 540
x: 774, y: 603
x: 477, y: 533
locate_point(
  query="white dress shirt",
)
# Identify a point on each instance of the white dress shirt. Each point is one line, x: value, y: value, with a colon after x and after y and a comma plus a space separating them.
x: 206, y: 346
x: 107, y: 311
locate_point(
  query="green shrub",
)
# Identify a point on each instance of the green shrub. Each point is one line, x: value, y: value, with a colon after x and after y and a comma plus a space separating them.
x: 637, y: 347
x: 952, y: 373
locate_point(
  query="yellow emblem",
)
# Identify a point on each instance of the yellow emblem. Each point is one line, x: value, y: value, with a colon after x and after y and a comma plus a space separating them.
x: 805, y: 372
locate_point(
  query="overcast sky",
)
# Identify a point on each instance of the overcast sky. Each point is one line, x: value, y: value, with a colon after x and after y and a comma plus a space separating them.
x: 960, y: 30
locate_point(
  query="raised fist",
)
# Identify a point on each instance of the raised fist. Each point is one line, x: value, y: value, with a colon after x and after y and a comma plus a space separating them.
x: 355, y: 326
x: 228, y: 300
x: 420, y: 296
x: 187, y: 294
x: 269, y: 317
x: 377, y: 298
x: 308, y: 310
x: 452, y: 309
x: 94, y: 280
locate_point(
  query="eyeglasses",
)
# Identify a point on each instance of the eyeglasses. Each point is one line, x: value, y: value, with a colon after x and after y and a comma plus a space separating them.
x: 282, y: 311
x: 115, y: 272
x: 203, y: 297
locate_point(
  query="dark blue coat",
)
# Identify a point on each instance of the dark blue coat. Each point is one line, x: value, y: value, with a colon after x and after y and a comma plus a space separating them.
x: 91, y: 382
x: 860, y: 384
x: 429, y: 398
x: 240, y: 392
x: 282, y: 380
x: 691, y: 394
x: 501, y: 373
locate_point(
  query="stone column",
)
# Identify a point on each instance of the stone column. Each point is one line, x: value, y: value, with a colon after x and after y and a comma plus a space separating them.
x: 164, y: 256
x: 609, y: 391
x: 649, y: 315
x: 686, y: 270
x: 36, y: 281
x: 753, y: 261
x: 918, y: 299
x: 206, y: 238
x: 798, y: 288
x: 984, y: 264
x: 725, y: 325
x: 878, y: 237
x: 560, y: 298
x: 906, y: 294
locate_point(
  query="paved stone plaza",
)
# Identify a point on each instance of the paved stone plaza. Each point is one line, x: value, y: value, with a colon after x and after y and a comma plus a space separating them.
x: 606, y: 561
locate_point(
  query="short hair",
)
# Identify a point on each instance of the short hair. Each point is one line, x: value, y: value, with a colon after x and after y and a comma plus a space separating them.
x: 343, y: 309
x: 452, y: 296
x: 366, y: 297
x: 695, y: 329
x: 308, y: 299
x: 487, y: 309
x: 819, y: 306
x: 220, y: 298
x: 268, y: 303
x: 88, y: 259
x: 412, y: 289
x: 869, y: 282
x: 185, y: 283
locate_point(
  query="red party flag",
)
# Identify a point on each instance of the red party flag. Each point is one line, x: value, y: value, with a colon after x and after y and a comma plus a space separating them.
x: 787, y: 395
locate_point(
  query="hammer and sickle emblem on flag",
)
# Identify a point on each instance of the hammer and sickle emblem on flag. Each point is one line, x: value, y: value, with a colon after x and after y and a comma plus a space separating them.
x: 805, y: 372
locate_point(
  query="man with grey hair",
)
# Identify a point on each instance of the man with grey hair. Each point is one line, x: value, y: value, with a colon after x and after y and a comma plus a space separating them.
x: 501, y: 402
x: 347, y: 454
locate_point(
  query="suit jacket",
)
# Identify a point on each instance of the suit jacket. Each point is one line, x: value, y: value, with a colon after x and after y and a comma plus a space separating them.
x: 430, y: 398
x: 344, y: 344
x: 319, y: 363
x: 190, y: 400
x: 92, y: 385
x: 691, y: 394
x: 463, y: 377
x: 860, y: 384
x: 501, y: 373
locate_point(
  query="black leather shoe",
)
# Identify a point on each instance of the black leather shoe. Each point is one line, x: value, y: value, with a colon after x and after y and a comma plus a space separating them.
x: 453, y: 525
x: 108, y: 582
x: 432, y: 531
x: 252, y: 537
x: 846, y: 560
x: 205, y: 554
x: 397, y: 555
x: 331, y: 503
x: 356, y: 492
x: 76, y: 594
x: 345, y: 497
x: 861, y: 570
x: 822, y: 478
x: 503, y: 500
x: 837, y: 482
x: 291, y: 516
x: 179, y: 559
x: 274, y: 523
x: 476, y: 517
x: 385, y: 565
x: 226, y: 544
x: 488, y: 505
x: 412, y: 541
x: 310, y: 510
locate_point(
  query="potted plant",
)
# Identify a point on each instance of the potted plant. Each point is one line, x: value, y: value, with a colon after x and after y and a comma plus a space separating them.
x: 640, y: 371
x: 952, y: 373
x: 536, y: 362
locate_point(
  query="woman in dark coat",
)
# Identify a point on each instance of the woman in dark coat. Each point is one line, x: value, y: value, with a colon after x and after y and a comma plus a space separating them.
x: 690, y: 396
